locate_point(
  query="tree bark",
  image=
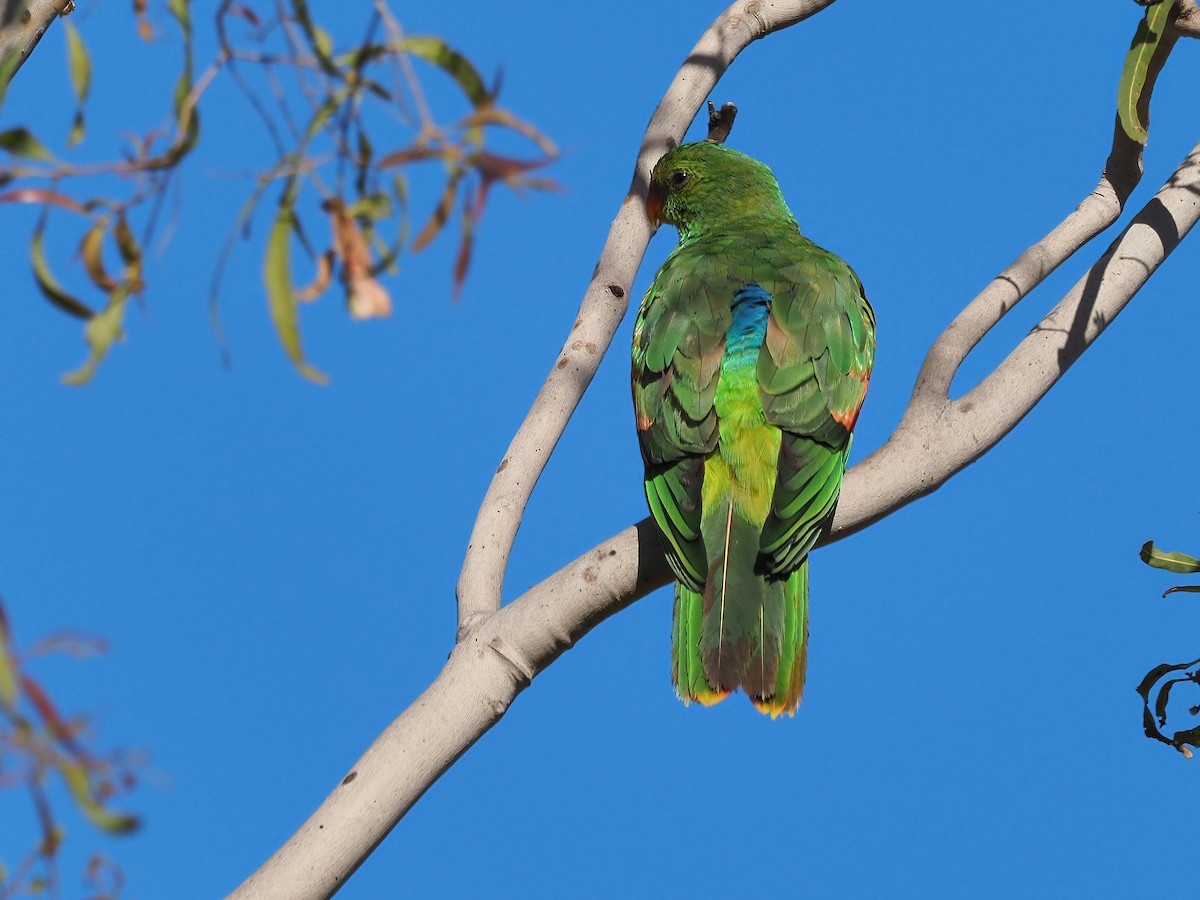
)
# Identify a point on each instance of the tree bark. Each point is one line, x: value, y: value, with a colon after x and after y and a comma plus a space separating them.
x: 501, y: 650
x: 22, y: 24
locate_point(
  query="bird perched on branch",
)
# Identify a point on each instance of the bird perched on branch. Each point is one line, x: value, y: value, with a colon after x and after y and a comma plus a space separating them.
x: 751, y: 356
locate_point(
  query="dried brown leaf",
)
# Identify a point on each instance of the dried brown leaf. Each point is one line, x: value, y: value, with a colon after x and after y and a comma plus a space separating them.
x: 440, y: 215
x: 320, y: 282
x: 415, y: 154
x: 43, y: 196
x: 367, y: 298
x: 491, y: 115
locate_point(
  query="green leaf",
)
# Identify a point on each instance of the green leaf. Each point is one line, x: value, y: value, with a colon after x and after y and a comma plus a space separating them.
x: 8, y: 666
x: 77, y: 131
x: 371, y: 207
x: 101, y: 332
x: 277, y: 263
x: 79, y: 62
x: 366, y: 152
x: 436, y: 51
x: 188, y: 120
x: 9, y: 63
x: 320, y: 42
x: 281, y: 294
x: 1137, y: 64
x: 48, y: 284
x: 389, y: 254
x: 21, y: 142
x: 1179, y: 563
x: 323, y: 42
x: 79, y: 65
x: 181, y: 10
x: 81, y: 790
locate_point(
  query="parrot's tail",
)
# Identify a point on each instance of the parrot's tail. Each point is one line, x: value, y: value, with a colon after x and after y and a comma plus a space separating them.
x: 793, y: 651
x: 687, y: 668
x: 745, y: 630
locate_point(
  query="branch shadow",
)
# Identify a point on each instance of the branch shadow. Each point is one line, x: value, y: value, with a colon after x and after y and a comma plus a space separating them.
x: 1157, y: 217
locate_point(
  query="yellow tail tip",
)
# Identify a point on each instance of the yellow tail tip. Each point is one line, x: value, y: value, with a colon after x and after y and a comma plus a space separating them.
x: 708, y: 698
x: 775, y: 709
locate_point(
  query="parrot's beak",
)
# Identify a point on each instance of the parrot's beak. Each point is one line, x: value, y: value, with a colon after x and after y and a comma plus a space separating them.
x: 654, y: 206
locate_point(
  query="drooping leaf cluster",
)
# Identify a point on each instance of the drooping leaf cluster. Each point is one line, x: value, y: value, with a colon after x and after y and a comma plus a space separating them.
x: 324, y: 107
x: 40, y: 746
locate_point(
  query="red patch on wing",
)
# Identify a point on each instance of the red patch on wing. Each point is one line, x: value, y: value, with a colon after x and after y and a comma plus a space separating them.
x: 848, y: 418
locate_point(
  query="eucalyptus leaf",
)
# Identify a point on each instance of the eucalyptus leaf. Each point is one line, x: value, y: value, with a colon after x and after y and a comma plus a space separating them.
x: 9, y: 678
x: 1179, y: 563
x: 79, y: 62
x: 103, y: 330
x: 48, y: 284
x: 75, y: 137
x: 21, y: 142
x: 436, y: 51
x: 1137, y: 63
x: 281, y: 294
x: 80, y: 787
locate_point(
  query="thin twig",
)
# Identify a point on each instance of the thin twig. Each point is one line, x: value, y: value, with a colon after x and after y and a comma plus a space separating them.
x: 396, y: 34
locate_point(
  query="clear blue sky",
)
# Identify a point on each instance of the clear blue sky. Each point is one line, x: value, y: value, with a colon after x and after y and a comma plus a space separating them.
x: 274, y: 562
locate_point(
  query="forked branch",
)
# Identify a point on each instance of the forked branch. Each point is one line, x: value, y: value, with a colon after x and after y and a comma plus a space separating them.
x: 501, y: 650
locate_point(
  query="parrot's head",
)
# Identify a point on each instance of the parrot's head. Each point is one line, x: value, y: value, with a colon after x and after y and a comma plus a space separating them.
x: 703, y: 187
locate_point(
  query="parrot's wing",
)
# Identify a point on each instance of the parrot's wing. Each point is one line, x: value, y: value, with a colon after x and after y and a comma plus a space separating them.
x: 813, y: 374
x: 678, y: 342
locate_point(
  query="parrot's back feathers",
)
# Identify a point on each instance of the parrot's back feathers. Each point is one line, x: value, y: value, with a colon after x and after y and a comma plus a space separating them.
x: 752, y: 353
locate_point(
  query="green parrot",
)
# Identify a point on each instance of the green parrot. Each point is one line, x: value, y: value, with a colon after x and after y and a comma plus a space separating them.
x: 751, y: 356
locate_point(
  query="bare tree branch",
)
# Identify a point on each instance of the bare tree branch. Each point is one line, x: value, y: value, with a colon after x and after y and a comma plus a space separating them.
x: 604, y: 304
x: 483, y: 676
x: 932, y: 420
x: 501, y: 650
x: 1187, y: 19
x: 511, y: 647
x: 22, y: 24
x: 505, y: 652
x: 939, y: 437
x: 720, y: 122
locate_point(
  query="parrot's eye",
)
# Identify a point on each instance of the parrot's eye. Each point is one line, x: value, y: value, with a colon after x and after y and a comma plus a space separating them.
x: 679, y: 178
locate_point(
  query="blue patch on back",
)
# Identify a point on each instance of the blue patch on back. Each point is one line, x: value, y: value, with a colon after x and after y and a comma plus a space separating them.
x: 751, y: 308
